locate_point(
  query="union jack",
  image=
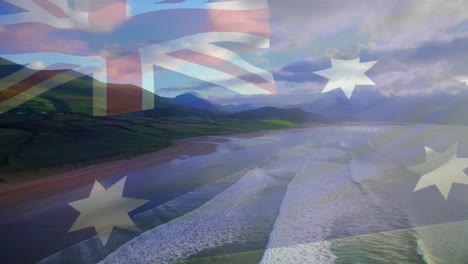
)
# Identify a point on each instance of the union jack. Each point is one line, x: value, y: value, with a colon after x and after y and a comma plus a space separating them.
x: 87, y: 36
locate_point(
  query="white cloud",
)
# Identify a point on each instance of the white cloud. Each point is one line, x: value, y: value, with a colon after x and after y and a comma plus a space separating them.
x: 416, y: 79
x: 409, y: 23
x: 317, y: 26
x: 420, y: 44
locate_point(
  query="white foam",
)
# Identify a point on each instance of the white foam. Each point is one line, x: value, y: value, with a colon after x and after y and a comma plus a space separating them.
x: 301, y: 226
x: 443, y: 243
x: 316, y: 253
x: 227, y: 218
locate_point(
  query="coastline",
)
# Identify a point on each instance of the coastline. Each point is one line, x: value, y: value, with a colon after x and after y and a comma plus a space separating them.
x: 12, y: 193
x: 68, y: 177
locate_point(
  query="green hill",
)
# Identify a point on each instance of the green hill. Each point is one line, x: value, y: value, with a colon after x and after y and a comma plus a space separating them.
x: 56, y: 129
x: 294, y: 115
x: 192, y: 100
x: 75, y: 97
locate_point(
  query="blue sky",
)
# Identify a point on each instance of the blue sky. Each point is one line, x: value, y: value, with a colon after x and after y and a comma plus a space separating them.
x: 420, y: 46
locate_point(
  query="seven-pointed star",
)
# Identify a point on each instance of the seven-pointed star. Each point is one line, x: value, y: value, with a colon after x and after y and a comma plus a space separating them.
x: 106, y: 209
x: 442, y: 170
x: 346, y: 74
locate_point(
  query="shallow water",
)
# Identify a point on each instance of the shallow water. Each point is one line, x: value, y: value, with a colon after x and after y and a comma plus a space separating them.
x: 334, y: 194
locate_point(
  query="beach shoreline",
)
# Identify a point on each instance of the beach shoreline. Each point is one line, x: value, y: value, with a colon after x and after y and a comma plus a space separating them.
x: 67, y: 177
x: 12, y: 193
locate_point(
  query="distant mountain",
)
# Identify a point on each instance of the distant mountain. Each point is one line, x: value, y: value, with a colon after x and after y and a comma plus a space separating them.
x: 234, y: 108
x: 169, y: 109
x: 334, y: 106
x: 192, y: 100
x: 438, y: 108
x: 371, y: 106
x: 295, y: 115
x: 75, y: 97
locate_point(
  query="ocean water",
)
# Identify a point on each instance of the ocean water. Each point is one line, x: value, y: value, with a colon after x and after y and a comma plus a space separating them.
x: 234, y: 216
x: 334, y: 194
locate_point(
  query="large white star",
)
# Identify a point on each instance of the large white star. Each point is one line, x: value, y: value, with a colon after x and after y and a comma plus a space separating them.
x: 442, y: 170
x: 346, y: 74
x: 106, y: 209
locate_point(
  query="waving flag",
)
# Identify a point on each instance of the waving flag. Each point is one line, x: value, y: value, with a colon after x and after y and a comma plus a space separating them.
x: 116, y: 45
x: 384, y: 179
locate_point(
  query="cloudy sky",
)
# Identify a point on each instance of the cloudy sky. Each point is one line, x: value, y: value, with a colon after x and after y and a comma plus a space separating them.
x: 420, y: 46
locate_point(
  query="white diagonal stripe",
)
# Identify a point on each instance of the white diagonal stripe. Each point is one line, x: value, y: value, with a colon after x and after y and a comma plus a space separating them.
x: 156, y: 55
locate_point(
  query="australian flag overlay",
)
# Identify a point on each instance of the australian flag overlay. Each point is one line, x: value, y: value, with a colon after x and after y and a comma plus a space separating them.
x: 383, y: 180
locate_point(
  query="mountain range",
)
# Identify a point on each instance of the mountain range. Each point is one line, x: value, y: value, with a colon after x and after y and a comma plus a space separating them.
x: 370, y: 106
x: 56, y: 130
x: 60, y: 120
x: 364, y: 106
x: 75, y: 98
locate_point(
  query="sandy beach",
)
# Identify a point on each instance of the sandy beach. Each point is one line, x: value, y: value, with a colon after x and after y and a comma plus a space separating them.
x: 347, y: 188
x: 12, y: 193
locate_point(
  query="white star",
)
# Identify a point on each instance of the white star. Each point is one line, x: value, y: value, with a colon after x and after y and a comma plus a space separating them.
x: 441, y: 170
x: 346, y: 74
x: 106, y: 209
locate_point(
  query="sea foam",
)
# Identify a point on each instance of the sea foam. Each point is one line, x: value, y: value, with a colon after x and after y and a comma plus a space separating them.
x: 232, y: 216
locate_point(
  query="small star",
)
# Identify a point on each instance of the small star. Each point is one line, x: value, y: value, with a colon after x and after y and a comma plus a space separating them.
x: 346, y: 74
x: 441, y: 170
x: 106, y: 209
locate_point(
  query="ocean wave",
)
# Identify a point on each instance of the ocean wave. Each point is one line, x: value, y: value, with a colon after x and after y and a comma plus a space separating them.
x: 377, y: 176
x: 92, y: 251
x: 233, y: 216
x: 302, y: 226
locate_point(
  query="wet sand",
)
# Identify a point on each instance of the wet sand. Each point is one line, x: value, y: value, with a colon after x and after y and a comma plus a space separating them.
x: 11, y: 193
